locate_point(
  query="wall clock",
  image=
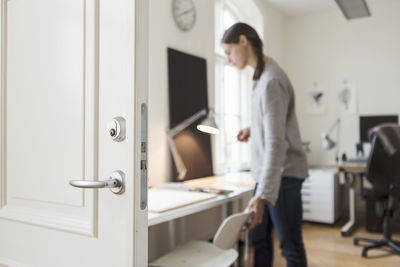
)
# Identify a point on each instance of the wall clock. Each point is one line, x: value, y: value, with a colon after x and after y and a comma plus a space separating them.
x: 184, y: 12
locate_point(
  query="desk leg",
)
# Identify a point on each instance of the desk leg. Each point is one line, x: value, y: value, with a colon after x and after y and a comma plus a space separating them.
x: 171, y: 234
x: 348, y: 228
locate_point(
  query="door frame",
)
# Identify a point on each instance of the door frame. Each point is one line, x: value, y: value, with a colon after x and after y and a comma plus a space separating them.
x: 141, y: 97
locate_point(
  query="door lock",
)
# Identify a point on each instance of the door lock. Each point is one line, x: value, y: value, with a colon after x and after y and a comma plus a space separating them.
x: 116, y: 129
x: 113, y: 132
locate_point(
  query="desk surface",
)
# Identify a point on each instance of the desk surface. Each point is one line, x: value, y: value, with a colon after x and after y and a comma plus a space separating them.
x: 349, y: 167
x: 239, y: 183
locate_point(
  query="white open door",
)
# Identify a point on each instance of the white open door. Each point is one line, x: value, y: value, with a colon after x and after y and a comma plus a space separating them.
x: 68, y: 67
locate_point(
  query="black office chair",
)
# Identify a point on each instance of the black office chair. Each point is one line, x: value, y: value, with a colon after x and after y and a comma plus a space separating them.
x: 383, y: 171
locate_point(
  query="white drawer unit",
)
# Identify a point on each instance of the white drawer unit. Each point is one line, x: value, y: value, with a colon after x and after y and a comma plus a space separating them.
x: 320, y: 196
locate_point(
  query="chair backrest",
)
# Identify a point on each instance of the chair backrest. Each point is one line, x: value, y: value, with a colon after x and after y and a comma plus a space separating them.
x: 382, y: 170
x: 229, y: 230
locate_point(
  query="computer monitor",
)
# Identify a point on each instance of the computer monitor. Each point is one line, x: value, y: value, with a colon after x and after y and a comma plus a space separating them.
x: 187, y: 80
x: 369, y: 122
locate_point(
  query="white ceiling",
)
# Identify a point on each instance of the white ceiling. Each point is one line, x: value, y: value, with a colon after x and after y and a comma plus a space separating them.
x: 302, y: 7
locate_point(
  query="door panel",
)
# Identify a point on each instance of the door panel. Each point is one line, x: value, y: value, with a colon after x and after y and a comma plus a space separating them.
x: 68, y: 68
x: 49, y: 123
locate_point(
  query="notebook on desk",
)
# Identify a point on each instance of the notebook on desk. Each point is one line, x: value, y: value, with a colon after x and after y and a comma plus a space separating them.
x: 161, y: 200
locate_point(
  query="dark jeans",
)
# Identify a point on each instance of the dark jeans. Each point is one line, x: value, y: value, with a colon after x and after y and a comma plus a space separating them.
x: 286, y: 217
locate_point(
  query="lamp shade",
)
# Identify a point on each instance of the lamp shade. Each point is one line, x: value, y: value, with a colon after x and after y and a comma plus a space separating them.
x: 208, y: 125
x: 327, y: 142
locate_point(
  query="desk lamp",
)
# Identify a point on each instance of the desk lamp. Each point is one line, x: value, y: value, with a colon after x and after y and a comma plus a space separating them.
x: 208, y: 125
x: 328, y: 143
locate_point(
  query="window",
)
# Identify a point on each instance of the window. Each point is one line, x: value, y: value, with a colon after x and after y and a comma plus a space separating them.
x: 232, y: 95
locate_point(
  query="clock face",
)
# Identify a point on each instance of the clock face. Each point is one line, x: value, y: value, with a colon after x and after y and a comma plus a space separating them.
x: 184, y: 13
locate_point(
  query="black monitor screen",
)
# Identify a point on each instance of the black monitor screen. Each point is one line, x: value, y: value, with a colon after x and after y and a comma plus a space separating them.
x: 369, y: 122
x: 187, y: 75
x: 187, y: 79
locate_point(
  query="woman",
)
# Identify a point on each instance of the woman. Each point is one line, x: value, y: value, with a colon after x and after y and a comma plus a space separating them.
x: 278, y: 162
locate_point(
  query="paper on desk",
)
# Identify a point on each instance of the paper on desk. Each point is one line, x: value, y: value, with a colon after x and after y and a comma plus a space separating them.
x: 173, y: 186
x: 161, y: 200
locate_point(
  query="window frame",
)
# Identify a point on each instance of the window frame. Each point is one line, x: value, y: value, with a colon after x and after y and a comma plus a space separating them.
x: 224, y: 154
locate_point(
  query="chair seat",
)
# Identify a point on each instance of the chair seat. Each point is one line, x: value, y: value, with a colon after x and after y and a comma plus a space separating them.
x: 197, y: 254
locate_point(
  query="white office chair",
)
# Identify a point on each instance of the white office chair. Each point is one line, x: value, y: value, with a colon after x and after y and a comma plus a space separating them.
x: 220, y: 253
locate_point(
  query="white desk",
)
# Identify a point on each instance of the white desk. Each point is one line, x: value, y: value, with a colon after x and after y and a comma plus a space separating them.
x: 240, y: 183
x: 200, y: 220
x: 351, y: 172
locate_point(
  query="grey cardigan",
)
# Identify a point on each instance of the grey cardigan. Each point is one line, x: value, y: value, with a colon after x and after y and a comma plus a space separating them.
x: 276, y: 147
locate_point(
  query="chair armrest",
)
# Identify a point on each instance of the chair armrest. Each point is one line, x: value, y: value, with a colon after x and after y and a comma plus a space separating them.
x: 394, y: 190
x: 365, y: 192
x: 394, y: 196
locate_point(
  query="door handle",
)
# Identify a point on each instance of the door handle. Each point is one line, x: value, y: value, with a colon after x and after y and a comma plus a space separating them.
x: 116, y: 183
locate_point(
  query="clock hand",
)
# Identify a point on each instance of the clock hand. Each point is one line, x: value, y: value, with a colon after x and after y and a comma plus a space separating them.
x: 185, y: 12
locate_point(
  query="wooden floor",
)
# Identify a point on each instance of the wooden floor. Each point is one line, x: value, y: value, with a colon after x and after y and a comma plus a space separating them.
x: 326, y: 247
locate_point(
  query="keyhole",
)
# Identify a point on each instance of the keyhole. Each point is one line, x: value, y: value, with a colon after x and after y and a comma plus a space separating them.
x: 113, y: 132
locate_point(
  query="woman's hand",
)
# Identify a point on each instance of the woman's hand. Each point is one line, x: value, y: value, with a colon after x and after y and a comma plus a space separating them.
x: 243, y: 135
x: 256, y: 205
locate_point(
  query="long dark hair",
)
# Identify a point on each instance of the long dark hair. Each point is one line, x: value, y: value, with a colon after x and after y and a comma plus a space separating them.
x: 232, y: 35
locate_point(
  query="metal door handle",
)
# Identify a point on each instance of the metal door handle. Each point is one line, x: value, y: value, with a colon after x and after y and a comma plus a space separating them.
x: 116, y: 183
x: 95, y: 184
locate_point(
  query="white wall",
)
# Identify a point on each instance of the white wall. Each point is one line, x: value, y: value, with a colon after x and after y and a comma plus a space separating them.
x: 327, y: 49
x: 274, y: 30
x: 198, y: 41
x: 164, y: 33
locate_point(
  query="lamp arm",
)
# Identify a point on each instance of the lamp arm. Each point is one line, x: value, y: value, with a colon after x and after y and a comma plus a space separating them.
x: 337, y: 147
x: 337, y: 121
x: 180, y: 166
x: 181, y: 126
